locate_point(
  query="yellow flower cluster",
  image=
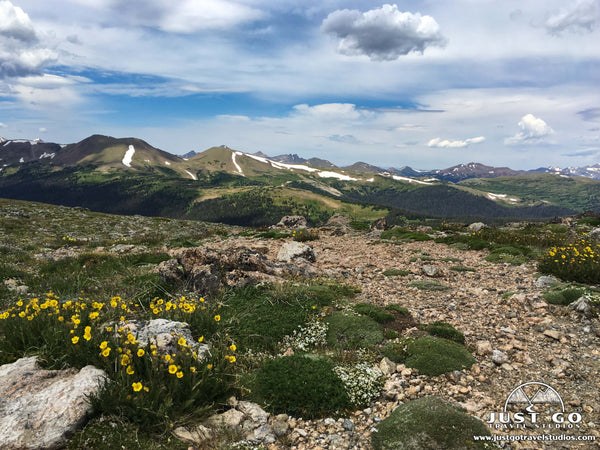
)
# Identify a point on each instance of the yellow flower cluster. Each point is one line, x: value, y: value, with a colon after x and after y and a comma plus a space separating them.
x: 158, y: 305
x: 581, y: 252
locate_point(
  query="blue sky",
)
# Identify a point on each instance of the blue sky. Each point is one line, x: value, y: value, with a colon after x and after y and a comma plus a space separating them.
x: 428, y: 84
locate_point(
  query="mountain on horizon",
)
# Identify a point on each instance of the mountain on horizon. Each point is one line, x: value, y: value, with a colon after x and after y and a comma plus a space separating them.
x: 130, y: 176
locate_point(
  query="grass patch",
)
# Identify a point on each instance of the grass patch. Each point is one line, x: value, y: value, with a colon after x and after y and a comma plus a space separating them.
x: 430, y: 423
x: 360, y: 226
x: 434, y: 356
x: 377, y: 314
x: 446, y: 331
x: 304, y: 235
x: 462, y: 269
x: 429, y: 285
x: 396, y: 272
x: 401, y: 309
x: 351, y: 332
x: 563, y: 296
x: 262, y: 315
x: 302, y: 386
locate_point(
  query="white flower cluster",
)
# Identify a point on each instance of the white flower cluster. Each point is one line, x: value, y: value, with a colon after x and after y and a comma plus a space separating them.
x: 363, y: 383
x: 306, y: 337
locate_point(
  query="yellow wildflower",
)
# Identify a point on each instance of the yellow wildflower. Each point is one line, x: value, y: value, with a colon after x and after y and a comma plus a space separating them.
x: 141, y: 352
x: 137, y: 387
x: 75, y: 339
x: 172, y: 369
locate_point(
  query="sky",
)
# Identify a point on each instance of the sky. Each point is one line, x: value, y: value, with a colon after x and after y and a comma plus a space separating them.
x: 428, y: 84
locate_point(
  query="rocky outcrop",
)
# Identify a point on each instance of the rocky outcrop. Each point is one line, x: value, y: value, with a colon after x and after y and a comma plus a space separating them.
x: 292, y: 222
x: 206, y: 270
x: 164, y: 334
x: 293, y: 250
x: 40, y: 409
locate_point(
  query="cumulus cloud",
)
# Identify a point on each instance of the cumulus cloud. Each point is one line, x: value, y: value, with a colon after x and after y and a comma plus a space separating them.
x: 329, y: 111
x: 344, y: 139
x: 3, y: 125
x: 21, y: 52
x: 383, y: 34
x: 186, y: 16
x: 445, y: 143
x: 580, y: 16
x: 533, y: 131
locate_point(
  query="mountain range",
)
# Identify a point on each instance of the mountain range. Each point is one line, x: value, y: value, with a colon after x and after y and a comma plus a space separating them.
x: 130, y: 176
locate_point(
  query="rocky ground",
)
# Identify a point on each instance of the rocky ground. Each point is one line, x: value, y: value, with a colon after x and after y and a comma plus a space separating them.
x: 514, y: 334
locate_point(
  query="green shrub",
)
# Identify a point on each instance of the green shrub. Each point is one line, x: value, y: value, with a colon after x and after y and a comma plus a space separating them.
x: 396, y: 351
x: 512, y: 254
x: 462, y: 269
x: 273, y: 234
x: 446, y: 331
x: 300, y: 386
x: 434, y: 356
x: 430, y: 423
x: 429, y: 285
x: 348, y: 331
x: 304, y: 235
x: 563, y: 296
x: 401, y: 309
x: 374, y: 312
x: 360, y: 226
x: 395, y: 272
x: 262, y: 315
x: 578, y: 262
x: 390, y: 334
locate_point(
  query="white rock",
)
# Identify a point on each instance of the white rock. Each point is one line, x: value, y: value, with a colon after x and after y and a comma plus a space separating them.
x: 41, y: 408
x: 292, y: 250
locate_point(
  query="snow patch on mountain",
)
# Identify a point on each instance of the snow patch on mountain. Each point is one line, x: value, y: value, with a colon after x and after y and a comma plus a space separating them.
x: 410, y: 180
x: 339, y: 176
x: 194, y: 177
x: 237, y: 166
x: 128, y: 156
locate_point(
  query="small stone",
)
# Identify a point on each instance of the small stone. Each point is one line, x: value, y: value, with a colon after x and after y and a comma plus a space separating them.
x: 483, y: 348
x: 429, y: 270
x: 499, y: 357
x: 406, y: 372
x: 387, y: 366
x: 195, y: 435
x: 348, y: 425
x: 553, y: 334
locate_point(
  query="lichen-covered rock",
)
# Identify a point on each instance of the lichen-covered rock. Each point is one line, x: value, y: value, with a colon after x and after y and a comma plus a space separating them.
x: 40, y: 409
x: 164, y: 334
x: 292, y: 250
x: 429, y: 423
x: 292, y: 222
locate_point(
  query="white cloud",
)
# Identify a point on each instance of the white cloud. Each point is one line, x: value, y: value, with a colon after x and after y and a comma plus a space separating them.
x: 329, y: 110
x: 384, y: 33
x: 580, y: 16
x: 3, y: 125
x: 533, y: 131
x: 15, y: 23
x: 42, y: 129
x: 444, y: 143
x: 20, y: 50
x: 186, y: 16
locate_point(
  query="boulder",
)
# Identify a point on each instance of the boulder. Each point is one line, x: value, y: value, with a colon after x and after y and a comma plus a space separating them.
x: 41, y: 409
x: 338, y: 220
x: 499, y: 357
x: 476, y: 227
x: 544, y: 282
x: 164, y: 334
x: 430, y: 270
x: 583, y: 306
x: 292, y: 222
x: 380, y: 224
x: 594, y: 235
x: 292, y: 250
x: 429, y: 423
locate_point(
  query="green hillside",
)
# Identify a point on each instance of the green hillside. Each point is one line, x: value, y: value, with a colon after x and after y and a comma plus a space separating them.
x: 578, y: 193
